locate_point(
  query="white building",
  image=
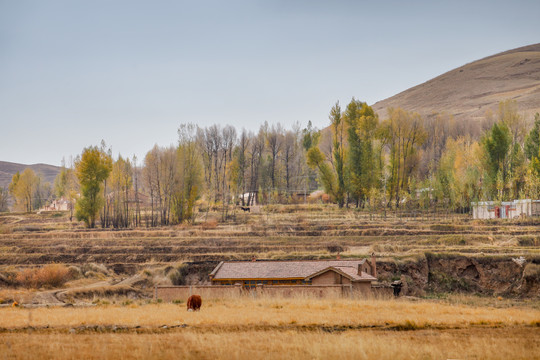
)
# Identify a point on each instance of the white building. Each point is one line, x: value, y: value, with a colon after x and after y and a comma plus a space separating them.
x: 505, y: 209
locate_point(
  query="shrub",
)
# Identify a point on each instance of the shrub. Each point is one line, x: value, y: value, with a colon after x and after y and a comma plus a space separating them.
x: 209, y: 224
x: 92, y: 268
x: 53, y: 275
x: 28, y: 228
x: 335, y: 248
x: 74, y: 272
x: 528, y: 241
x: 532, y: 272
x: 8, y: 277
x: 178, y: 276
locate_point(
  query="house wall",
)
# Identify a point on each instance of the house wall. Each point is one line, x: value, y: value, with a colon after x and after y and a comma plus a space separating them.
x: 482, y: 211
x: 535, y: 208
x: 330, y: 278
x: 170, y: 293
x: 521, y: 208
x: 364, y: 287
x: 357, y: 290
x: 366, y: 267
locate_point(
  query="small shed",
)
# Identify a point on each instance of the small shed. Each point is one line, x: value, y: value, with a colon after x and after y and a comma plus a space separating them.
x: 505, y: 209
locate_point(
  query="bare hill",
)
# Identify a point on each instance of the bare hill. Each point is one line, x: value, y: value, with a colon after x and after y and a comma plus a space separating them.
x: 8, y: 169
x: 469, y: 91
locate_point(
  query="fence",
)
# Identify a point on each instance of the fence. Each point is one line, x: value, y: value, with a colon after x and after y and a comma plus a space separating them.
x: 172, y: 293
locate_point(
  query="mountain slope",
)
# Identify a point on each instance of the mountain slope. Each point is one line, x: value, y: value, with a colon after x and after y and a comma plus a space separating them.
x: 469, y: 91
x: 8, y: 169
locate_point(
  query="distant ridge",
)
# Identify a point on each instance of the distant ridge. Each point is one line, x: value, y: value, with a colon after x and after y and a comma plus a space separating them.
x: 472, y: 89
x: 8, y: 169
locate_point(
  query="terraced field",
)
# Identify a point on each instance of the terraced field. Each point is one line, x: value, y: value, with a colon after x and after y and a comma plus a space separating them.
x: 46, y: 238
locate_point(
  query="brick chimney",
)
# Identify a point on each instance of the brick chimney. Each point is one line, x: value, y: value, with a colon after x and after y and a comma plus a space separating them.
x: 373, y: 265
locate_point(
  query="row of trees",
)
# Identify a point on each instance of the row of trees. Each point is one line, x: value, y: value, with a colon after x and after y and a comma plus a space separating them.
x: 28, y: 190
x: 214, y: 165
x: 359, y: 160
x: 371, y: 162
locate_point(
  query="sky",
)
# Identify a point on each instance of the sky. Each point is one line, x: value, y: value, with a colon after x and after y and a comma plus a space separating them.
x: 129, y: 72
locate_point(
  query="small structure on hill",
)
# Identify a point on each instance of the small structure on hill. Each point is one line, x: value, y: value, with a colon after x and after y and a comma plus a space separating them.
x: 61, y: 204
x: 505, y: 209
x: 359, y: 274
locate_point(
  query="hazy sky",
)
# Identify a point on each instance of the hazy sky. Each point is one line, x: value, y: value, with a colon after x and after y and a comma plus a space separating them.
x: 130, y: 72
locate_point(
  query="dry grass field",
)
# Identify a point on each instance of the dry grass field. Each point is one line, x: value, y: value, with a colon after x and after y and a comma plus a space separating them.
x: 108, y: 275
x: 273, y: 328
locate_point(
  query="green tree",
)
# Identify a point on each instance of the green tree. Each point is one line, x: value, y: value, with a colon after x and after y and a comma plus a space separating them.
x: 92, y: 168
x: 338, y: 151
x: 317, y: 160
x: 532, y: 141
x: 189, y: 174
x: 496, y: 144
x: 361, y: 162
x: 310, y: 136
x: 532, y: 151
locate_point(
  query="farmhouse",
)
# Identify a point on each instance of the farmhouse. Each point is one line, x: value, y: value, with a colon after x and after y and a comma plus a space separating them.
x: 61, y: 204
x: 359, y: 274
x: 505, y: 209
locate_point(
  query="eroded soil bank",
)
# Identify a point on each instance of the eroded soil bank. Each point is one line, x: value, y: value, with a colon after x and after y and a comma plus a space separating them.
x: 485, y: 275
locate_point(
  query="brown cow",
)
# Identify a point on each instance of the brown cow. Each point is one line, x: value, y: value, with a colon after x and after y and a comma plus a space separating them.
x: 194, y: 303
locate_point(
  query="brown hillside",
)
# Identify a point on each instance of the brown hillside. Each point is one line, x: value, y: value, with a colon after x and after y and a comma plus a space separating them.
x: 469, y: 91
x: 8, y: 169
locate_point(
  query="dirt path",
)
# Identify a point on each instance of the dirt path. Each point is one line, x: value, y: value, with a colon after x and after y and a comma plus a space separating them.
x: 11, y: 219
x: 58, y: 297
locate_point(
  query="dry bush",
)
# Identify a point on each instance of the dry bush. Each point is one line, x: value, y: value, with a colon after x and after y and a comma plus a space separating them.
x: 93, y: 270
x: 209, y: 224
x: 178, y: 275
x: 6, y: 229
x: 8, y: 277
x: 74, y: 272
x: 528, y: 241
x: 53, y: 275
x: 532, y: 272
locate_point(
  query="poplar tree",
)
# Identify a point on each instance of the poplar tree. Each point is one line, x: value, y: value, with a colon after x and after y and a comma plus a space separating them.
x: 532, y: 141
x: 496, y: 145
x: 361, y: 162
x: 338, y: 132
x: 92, y: 168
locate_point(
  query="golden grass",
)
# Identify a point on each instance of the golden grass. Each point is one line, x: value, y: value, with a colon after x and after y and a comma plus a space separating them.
x: 186, y: 344
x: 277, y: 313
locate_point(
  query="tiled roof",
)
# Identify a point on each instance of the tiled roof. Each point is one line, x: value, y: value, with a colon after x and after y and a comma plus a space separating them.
x: 353, y: 273
x: 281, y: 269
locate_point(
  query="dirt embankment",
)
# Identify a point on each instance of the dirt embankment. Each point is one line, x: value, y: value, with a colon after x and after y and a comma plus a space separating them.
x: 441, y: 273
